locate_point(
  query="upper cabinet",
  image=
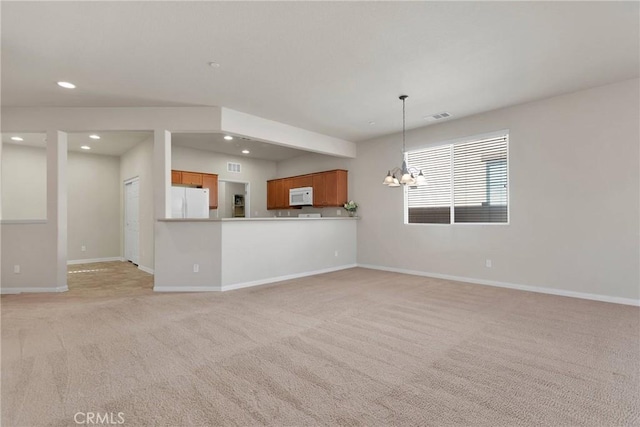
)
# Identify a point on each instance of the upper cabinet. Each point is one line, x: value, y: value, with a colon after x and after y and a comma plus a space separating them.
x: 329, y: 189
x: 176, y: 177
x: 197, y: 179
x: 301, y: 181
x: 192, y: 178
x: 272, y: 203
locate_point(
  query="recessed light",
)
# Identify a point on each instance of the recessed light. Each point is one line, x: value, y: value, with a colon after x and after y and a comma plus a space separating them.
x: 94, y: 136
x: 228, y: 137
x: 214, y: 64
x: 372, y: 123
x: 85, y: 147
x: 67, y: 85
x: 16, y: 138
x: 245, y: 151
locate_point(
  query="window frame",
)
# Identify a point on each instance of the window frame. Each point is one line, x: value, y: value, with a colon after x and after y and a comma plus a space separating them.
x: 501, y: 133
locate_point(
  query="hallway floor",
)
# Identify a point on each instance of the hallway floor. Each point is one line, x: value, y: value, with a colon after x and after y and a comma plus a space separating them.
x: 108, y: 279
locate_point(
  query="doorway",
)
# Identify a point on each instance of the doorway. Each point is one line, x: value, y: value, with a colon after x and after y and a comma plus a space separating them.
x: 233, y: 199
x: 132, y: 220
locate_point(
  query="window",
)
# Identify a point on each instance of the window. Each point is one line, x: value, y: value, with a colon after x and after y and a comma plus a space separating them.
x: 467, y: 182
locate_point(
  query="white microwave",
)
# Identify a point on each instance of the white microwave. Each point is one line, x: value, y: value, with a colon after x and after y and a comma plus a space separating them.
x: 301, y: 196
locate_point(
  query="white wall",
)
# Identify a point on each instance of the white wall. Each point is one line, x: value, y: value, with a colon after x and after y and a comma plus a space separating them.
x: 138, y: 162
x: 255, y: 172
x: 39, y: 248
x: 93, y: 197
x: 574, y: 199
x: 24, y: 182
x: 236, y: 253
x: 94, y: 206
x: 226, y: 193
x: 180, y: 245
x: 255, y: 252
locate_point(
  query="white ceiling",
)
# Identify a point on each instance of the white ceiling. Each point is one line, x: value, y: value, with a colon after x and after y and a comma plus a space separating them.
x: 216, y: 142
x: 109, y: 144
x: 118, y: 143
x: 329, y: 67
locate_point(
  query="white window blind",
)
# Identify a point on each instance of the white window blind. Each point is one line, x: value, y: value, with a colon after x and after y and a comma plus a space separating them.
x: 431, y: 203
x: 467, y: 182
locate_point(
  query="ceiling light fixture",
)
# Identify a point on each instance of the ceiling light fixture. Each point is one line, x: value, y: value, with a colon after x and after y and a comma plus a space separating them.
x: 245, y: 151
x: 67, y: 85
x: 94, y: 136
x: 85, y: 147
x: 16, y: 138
x: 228, y: 137
x: 405, y: 174
x: 214, y: 64
x: 371, y: 123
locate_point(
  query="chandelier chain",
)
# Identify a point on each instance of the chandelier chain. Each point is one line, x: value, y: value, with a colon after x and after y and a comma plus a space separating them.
x: 403, y: 123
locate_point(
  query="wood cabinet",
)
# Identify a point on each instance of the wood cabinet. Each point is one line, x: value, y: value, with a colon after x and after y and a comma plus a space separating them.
x: 319, y: 190
x: 192, y: 178
x: 197, y: 179
x: 282, y: 199
x: 329, y: 189
x: 301, y: 181
x: 271, y: 194
x: 210, y: 181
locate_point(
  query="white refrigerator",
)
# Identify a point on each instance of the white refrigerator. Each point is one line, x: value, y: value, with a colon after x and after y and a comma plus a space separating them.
x: 187, y: 202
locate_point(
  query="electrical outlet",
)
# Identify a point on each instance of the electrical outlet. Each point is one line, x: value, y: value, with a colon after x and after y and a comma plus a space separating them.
x: 335, y: 253
x: 487, y: 263
x: 16, y: 269
x: 196, y: 268
x: 279, y: 213
x: 288, y: 213
x: 83, y: 248
x: 339, y: 212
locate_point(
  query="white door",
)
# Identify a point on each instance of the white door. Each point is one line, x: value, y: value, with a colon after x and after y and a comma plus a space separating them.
x: 132, y: 221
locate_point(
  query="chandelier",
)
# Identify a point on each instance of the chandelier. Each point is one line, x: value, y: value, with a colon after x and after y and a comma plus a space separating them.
x: 406, y: 176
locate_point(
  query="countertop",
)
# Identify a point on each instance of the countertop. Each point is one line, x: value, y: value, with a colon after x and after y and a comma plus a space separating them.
x: 270, y: 218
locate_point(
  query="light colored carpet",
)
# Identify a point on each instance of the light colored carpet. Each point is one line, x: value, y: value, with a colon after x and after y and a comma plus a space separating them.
x: 355, y: 347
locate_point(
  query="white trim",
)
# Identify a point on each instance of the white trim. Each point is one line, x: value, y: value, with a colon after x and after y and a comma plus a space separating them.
x: 22, y: 221
x: 479, y: 137
x: 129, y: 181
x: 186, y: 289
x: 92, y: 260
x: 286, y: 277
x: 528, y: 288
x: 8, y: 291
x: 145, y: 269
x: 249, y: 284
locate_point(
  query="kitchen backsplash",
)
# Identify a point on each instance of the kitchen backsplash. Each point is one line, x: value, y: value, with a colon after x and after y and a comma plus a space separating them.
x: 325, y: 212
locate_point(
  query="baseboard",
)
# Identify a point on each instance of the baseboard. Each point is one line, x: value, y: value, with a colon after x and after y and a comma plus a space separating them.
x: 145, y: 269
x: 186, y: 289
x: 538, y: 289
x: 13, y: 291
x: 92, y: 260
x: 283, y: 278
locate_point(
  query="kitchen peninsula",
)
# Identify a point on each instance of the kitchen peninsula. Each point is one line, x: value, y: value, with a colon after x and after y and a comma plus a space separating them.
x: 224, y: 254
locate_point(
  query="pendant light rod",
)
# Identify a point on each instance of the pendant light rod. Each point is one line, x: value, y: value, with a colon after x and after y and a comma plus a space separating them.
x: 403, y: 97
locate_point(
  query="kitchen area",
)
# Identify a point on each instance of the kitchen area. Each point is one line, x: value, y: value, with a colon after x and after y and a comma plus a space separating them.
x: 233, y: 231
